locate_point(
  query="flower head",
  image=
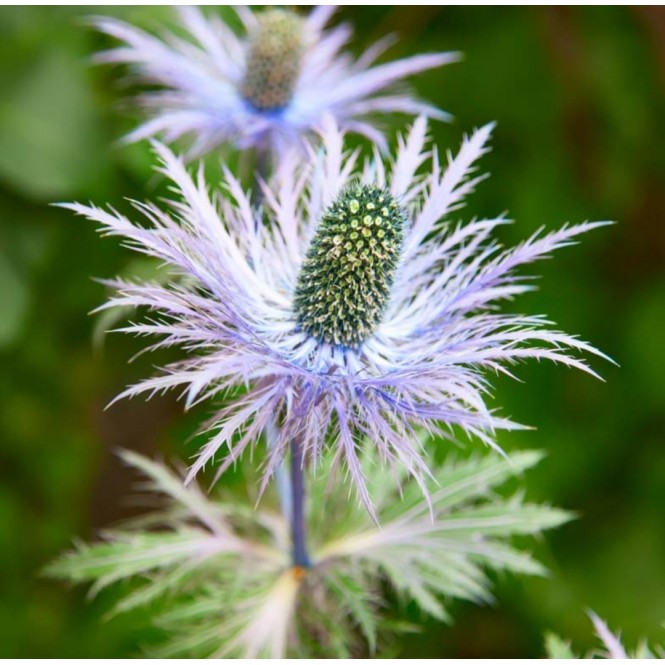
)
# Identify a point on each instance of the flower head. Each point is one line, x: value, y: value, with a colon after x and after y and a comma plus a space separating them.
x: 349, y: 304
x: 344, y: 284
x: 267, y: 88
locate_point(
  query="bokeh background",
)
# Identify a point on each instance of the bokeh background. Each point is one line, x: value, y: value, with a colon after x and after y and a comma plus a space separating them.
x: 578, y: 94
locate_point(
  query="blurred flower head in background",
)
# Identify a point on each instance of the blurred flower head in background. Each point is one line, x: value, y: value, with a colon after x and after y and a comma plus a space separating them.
x: 265, y: 89
x: 347, y: 304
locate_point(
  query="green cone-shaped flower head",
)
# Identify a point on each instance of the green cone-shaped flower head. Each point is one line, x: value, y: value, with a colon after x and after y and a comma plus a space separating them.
x: 344, y: 283
x: 274, y: 60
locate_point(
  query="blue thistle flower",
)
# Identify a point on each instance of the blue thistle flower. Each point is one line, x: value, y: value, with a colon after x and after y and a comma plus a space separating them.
x: 340, y: 344
x: 267, y: 88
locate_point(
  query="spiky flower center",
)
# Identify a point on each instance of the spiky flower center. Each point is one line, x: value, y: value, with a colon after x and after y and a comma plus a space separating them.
x: 274, y: 60
x: 345, y: 280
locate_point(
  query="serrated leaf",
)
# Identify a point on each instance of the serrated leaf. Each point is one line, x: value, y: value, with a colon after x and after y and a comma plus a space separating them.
x: 555, y: 647
x: 354, y: 597
x: 108, y: 562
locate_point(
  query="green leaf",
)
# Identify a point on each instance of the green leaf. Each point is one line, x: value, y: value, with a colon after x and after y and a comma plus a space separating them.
x: 135, y: 554
x: 354, y: 597
x: 555, y: 647
x: 172, y: 485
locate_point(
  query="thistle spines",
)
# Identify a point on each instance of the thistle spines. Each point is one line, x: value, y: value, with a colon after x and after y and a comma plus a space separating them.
x: 344, y: 284
x: 274, y: 60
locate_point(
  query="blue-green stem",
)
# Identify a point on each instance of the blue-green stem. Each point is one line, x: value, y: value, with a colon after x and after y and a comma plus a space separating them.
x: 300, y: 556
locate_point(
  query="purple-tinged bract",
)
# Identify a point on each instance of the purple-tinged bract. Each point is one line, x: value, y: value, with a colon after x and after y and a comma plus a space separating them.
x: 267, y: 88
x: 427, y: 302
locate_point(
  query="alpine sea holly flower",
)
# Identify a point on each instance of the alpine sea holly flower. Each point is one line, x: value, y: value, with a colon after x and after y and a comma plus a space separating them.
x: 267, y: 88
x: 358, y: 310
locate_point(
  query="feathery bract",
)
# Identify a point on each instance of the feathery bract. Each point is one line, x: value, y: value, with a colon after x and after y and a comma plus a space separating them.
x: 260, y: 311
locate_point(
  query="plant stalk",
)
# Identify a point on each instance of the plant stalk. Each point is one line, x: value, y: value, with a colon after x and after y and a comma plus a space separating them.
x: 298, y: 528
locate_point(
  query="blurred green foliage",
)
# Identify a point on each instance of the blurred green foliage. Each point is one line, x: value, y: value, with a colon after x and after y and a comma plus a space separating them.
x: 578, y: 94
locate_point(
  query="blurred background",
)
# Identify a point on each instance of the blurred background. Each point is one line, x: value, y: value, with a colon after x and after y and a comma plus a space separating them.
x: 578, y: 94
